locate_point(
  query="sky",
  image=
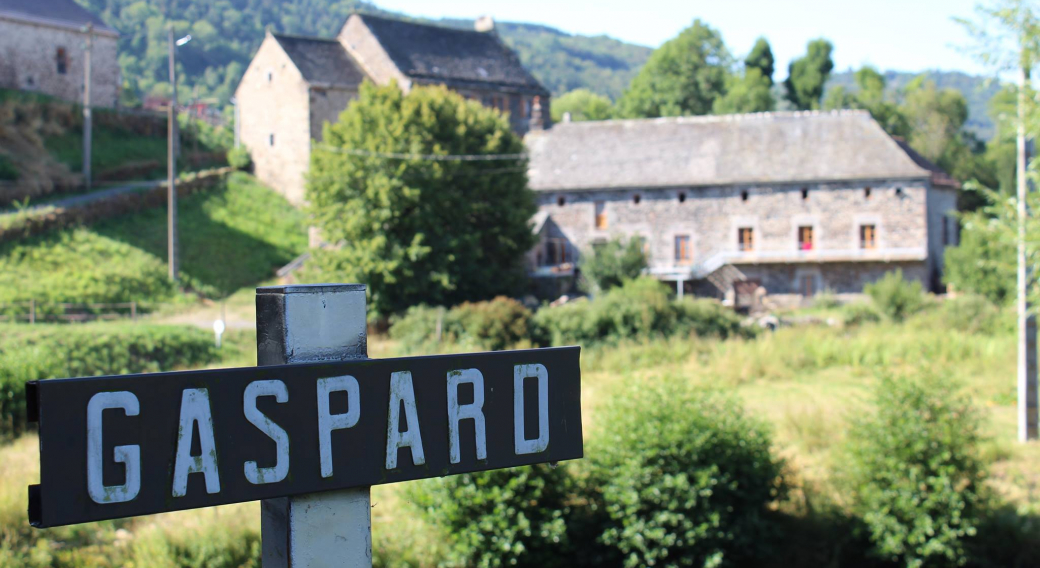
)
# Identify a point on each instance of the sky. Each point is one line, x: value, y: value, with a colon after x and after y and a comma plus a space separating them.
x: 900, y: 35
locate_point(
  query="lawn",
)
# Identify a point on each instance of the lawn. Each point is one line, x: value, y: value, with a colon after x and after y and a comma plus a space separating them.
x: 806, y: 382
x: 231, y: 237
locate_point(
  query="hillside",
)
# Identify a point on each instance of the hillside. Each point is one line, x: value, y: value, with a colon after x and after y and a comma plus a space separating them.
x: 232, y: 236
x: 976, y: 89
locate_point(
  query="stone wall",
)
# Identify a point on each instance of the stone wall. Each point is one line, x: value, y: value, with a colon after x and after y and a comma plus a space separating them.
x: 712, y: 216
x: 836, y: 277
x: 942, y: 229
x: 326, y: 105
x: 29, y: 62
x: 273, y: 104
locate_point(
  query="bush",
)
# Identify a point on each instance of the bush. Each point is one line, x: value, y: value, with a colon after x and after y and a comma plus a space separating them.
x: 916, y: 473
x: 8, y: 171
x: 896, y: 297
x: 46, y: 352
x: 638, y: 309
x: 970, y: 314
x: 686, y: 477
x: 496, y: 324
x: 984, y: 261
x: 239, y: 158
x: 859, y: 313
x: 613, y: 263
x: 510, y: 517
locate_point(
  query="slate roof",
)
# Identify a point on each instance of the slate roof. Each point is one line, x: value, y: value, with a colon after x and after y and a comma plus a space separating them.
x: 321, y: 61
x: 450, y: 55
x: 776, y: 147
x: 61, y: 13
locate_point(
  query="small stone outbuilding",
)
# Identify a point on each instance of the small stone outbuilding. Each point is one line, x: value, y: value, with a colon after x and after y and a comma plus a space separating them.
x: 296, y: 84
x: 42, y: 49
x: 793, y: 202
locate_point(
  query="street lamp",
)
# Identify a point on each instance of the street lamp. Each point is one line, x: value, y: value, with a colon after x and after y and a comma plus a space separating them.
x: 171, y: 160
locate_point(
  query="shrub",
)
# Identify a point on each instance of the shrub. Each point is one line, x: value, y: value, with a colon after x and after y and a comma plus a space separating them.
x: 239, y: 158
x: 970, y: 314
x: 510, y: 517
x: 984, y: 261
x: 47, y: 352
x: 916, y: 473
x: 638, y: 309
x: 896, y: 297
x: 495, y: 324
x: 859, y: 313
x: 686, y: 477
x: 8, y: 171
x: 613, y: 263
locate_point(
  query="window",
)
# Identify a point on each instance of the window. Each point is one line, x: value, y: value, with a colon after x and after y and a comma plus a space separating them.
x: 270, y: 76
x: 62, y: 61
x: 682, y: 249
x: 746, y: 238
x: 899, y: 192
x: 807, y: 284
x: 601, y: 215
x: 682, y: 197
x: 555, y: 252
x: 805, y: 193
x: 636, y: 199
x: 868, y: 236
x: 561, y: 201
x: 805, y: 238
x: 270, y: 139
x: 866, y: 193
x: 743, y: 195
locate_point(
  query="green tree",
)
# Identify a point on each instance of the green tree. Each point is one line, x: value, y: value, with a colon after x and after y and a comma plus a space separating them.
x: 761, y: 58
x: 870, y: 95
x: 750, y: 92
x: 682, y: 77
x: 414, y: 228
x: 983, y: 262
x: 807, y: 75
x: 613, y: 263
x: 583, y: 104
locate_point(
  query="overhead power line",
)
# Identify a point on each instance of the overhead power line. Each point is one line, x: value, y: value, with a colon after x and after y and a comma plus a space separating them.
x: 425, y: 157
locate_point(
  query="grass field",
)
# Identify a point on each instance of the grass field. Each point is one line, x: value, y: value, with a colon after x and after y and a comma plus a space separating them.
x: 807, y: 382
x: 230, y: 237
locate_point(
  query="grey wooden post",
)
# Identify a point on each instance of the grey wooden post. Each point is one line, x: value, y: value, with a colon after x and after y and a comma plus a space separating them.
x: 307, y: 324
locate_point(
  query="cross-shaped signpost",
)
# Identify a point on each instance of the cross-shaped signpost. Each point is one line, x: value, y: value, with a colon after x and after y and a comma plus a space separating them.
x: 308, y: 431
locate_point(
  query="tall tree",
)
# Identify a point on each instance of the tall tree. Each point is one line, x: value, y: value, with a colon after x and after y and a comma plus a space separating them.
x: 682, y: 77
x: 870, y: 95
x: 582, y: 104
x: 417, y: 223
x: 750, y: 92
x: 808, y: 74
x: 761, y: 58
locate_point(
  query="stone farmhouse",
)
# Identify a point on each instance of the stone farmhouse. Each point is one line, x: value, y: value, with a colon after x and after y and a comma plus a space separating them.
x: 792, y: 202
x: 296, y: 84
x: 42, y: 45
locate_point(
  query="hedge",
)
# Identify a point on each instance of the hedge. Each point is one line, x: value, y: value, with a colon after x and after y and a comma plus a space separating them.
x: 30, y: 353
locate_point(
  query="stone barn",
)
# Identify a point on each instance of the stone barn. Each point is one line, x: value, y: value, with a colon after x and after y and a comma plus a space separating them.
x: 792, y: 202
x: 296, y: 84
x: 42, y: 48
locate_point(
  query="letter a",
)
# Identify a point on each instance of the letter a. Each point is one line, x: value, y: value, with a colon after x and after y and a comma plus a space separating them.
x: 195, y: 412
x: 401, y: 391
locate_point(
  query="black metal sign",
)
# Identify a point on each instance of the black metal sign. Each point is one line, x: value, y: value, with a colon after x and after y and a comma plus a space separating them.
x: 124, y: 446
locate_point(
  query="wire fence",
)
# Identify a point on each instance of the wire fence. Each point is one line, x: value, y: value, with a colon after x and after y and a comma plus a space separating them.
x: 33, y: 312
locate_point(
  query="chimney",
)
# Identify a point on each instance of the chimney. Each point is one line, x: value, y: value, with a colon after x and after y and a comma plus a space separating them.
x: 484, y: 24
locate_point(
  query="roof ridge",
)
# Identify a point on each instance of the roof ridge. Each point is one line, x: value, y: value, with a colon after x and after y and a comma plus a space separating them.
x: 306, y: 37
x: 425, y: 24
x: 707, y: 118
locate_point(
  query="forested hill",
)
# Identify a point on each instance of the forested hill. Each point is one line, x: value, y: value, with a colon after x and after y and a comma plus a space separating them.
x: 225, y: 33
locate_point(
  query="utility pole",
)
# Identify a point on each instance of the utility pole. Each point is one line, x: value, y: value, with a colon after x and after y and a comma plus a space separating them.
x: 1027, y: 369
x: 87, y: 118
x: 171, y: 161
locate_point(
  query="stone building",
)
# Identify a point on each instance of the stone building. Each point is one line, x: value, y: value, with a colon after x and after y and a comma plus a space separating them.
x: 42, y: 47
x: 795, y: 202
x: 296, y: 84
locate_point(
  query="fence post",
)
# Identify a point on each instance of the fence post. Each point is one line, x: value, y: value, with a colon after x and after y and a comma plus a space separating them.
x: 133, y: 310
x: 32, y: 311
x: 307, y: 324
